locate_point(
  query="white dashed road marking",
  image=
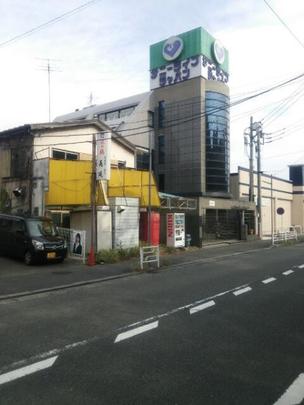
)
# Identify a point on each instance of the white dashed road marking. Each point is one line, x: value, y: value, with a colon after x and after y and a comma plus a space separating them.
x: 294, y: 394
x: 242, y: 291
x: 201, y: 307
x: 287, y: 272
x: 301, y: 266
x: 136, y: 331
x: 32, y: 368
x: 269, y: 280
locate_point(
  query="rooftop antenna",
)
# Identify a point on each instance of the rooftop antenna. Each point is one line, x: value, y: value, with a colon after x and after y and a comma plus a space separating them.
x: 49, y: 67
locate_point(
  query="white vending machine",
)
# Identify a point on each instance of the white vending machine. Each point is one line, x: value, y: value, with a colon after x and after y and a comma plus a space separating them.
x: 176, y: 229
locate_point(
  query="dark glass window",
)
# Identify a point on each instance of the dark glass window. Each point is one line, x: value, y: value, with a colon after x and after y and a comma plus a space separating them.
x: 296, y: 175
x: 161, y: 182
x: 161, y: 149
x: 217, y: 142
x: 161, y: 113
x: 142, y: 160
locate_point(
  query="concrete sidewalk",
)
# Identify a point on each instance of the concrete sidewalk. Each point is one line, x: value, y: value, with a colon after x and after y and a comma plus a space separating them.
x: 16, y: 278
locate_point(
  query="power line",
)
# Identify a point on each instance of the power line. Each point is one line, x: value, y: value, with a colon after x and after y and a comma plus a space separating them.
x: 48, y: 23
x: 285, y: 24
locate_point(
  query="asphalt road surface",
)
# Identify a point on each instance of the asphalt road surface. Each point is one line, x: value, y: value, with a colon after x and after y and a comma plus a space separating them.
x: 226, y: 332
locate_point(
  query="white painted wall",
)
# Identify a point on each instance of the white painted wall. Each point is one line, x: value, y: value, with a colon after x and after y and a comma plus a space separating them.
x: 76, y: 140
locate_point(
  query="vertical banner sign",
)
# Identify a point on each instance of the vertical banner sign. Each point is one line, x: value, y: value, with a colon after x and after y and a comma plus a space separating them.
x: 103, y: 158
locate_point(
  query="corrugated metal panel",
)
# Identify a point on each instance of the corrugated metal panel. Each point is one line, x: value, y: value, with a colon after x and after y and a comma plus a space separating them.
x: 70, y: 184
x: 125, y: 222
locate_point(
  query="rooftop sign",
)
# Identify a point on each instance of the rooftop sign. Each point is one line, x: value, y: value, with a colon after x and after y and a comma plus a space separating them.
x: 190, y: 54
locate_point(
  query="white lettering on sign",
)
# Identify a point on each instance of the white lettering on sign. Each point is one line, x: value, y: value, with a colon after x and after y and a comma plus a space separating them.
x: 103, y: 158
x: 189, y: 68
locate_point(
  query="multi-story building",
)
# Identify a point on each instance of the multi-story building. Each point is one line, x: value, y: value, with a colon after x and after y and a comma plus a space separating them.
x: 184, y: 118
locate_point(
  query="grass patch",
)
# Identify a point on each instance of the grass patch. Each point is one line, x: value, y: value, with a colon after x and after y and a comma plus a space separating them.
x: 116, y: 255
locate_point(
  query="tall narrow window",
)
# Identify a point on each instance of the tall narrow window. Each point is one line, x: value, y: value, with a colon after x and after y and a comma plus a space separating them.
x: 161, y: 182
x: 161, y: 149
x: 161, y: 114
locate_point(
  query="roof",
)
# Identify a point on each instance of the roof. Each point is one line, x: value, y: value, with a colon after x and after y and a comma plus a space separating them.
x: 27, y: 129
x: 245, y: 169
x: 91, y: 111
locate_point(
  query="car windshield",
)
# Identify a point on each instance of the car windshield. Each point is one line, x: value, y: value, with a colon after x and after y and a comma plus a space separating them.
x: 41, y: 228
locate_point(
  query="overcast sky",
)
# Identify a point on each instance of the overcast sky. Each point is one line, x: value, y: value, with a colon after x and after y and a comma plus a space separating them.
x: 104, y: 49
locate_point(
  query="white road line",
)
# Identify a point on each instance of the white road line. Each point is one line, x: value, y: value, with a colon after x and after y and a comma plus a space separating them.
x: 22, y: 372
x: 182, y: 308
x: 136, y: 331
x: 287, y: 272
x: 269, y: 280
x: 41, y: 356
x: 201, y: 307
x: 301, y: 266
x: 242, y: 291
x: 294, y: 394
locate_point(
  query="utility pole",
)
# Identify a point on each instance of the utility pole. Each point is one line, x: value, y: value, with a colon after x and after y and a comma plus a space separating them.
x: 251, y: 179
x: 149, y: 189
x: 259, y: 135
x: 93, y: 248
x: 271, y: 207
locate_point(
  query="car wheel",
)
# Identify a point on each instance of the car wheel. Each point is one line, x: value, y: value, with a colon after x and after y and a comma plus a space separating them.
x: 28, y: 258
x: 60, y: 260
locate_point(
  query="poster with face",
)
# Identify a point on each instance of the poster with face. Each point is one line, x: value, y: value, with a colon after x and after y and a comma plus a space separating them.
x: 77, y: 243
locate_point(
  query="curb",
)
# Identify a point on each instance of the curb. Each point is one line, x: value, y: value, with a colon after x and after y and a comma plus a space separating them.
x: 118, y: 276
x: 65, y: 286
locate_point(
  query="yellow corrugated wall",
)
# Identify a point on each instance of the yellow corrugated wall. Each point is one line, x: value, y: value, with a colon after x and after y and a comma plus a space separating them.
x: 69, y: 184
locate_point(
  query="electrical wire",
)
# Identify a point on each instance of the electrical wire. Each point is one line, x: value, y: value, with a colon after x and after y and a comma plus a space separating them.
x: 48, y: 23
x: 285, y: 24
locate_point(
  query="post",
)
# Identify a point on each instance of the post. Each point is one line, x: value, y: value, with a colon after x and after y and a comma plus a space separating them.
x: 91, y: 259
x: 251, y: 184
x: 271, y: 196
x: 149, y: 190
x: 259, y: 200
x: 49, y: 86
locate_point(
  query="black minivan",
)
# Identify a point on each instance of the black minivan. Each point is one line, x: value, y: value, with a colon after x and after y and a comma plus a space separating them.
x: 35, y: 239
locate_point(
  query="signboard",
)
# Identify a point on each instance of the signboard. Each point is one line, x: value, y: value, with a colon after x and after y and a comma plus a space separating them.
x: 211, y: 203
x: 191, y: 54
x: 189, y: 68
x: 77, y: 241
x: 103, y: 158
x: 172, y: 48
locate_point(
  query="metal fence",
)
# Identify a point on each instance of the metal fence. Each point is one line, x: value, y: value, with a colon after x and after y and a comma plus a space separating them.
x: 76, y: 242
x: 149, y: 254
x: 284, y: 236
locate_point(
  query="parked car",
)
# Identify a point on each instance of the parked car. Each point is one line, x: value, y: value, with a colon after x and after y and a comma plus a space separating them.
x: 35, y: 239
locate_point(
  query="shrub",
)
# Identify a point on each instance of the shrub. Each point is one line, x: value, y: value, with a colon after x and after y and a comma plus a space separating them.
x: 107, y: 256
x: 115, y: 255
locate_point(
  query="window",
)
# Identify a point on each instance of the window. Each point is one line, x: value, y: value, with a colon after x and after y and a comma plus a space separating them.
x: 217, y: 142
x: 161, y: 182
x: 64, y: 155
x: 142, y: 160
x: 161, y: 113
x: 126, y: 112
x: 161, y: 149
x: 112, y: 115
x: 151, y: 119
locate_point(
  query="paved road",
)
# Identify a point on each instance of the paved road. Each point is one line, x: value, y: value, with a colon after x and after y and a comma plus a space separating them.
x: 226, y: 332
